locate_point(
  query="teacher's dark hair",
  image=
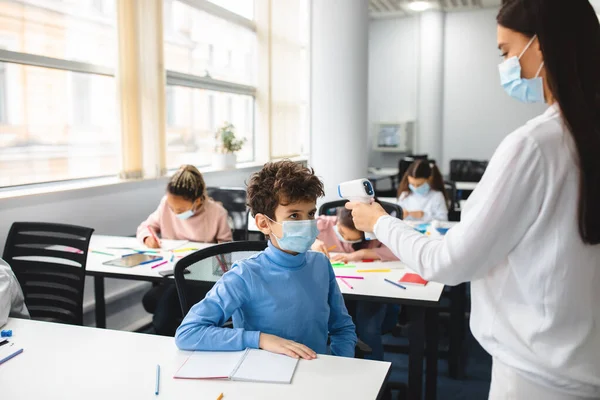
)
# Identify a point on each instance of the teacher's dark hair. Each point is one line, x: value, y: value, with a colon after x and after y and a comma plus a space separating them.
x: 569, y: 36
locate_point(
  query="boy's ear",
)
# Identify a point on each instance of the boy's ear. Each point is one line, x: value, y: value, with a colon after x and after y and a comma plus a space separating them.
x: 262, y: 222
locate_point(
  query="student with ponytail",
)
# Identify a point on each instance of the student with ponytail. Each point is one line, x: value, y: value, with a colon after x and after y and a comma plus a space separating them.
x: 421, y: 194
x: 529, y: 239
x: 184, y: 213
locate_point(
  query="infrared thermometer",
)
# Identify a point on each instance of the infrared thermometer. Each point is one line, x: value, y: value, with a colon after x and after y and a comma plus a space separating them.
x: 360, y: 191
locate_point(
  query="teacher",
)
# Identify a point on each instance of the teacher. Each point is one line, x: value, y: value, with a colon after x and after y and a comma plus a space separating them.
x: 529, y: 235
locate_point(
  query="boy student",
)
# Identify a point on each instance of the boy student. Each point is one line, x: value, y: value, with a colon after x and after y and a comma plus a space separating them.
x: 285, y: 299
x: 12, y: 303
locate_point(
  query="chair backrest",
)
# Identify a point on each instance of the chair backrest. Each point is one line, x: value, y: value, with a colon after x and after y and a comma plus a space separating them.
x: 467, y: 170
x: 234, y: 201
x: 205, y: 267
x: 330, y: 208
x: 49, y: 262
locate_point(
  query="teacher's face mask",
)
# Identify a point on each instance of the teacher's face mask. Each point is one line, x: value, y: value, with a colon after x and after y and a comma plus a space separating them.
x: 524, y: 90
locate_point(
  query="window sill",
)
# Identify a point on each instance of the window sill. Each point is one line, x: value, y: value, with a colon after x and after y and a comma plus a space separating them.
x: 79, y: 184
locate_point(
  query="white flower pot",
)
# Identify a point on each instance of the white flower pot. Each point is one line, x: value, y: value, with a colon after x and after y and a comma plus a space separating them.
x: 224, y: 161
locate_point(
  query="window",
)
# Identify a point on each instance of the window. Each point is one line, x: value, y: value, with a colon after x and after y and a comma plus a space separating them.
x: 200, y: 43
x: 208, y: 59
x: 245, y: 8
x: 3, y: 94
x: 58, y: 117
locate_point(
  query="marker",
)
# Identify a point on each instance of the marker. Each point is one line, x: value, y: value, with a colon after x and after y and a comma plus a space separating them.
x: 103, y: 253
x: 186, y: 249
x: 220, y: 396
x: 346, y: 283
x: 150, y: 261
x: 396, y: 284
x: 349, y: 277
x: 374, y: 270
x: 154, y: 235
x: 157, y: 379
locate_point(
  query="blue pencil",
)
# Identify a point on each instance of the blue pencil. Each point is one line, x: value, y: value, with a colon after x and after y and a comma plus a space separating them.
x: 157, y: 378
x: 151, y: 261
x: 130, y: 254
x: 394, y: 283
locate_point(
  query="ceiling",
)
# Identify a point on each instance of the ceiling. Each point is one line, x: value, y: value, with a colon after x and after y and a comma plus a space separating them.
x: 399, y: 8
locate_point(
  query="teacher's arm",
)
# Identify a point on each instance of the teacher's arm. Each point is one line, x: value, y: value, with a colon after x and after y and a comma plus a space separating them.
x: 498, y: 214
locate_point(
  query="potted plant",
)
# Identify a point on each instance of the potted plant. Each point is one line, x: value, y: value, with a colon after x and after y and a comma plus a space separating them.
x: 226, y: 145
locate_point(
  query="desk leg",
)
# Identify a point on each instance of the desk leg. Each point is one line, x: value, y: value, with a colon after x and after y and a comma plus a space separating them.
x: 431, y: 332
x: 100, y: 302
x: 458, y: 308
x: 416, y: 352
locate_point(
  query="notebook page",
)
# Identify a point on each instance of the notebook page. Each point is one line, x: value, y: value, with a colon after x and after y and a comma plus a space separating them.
x: 263, y: 366
x: 210, y: 365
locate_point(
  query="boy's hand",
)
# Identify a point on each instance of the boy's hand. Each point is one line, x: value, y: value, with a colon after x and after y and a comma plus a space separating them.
x: 319, y: 246
x: 278, y: 345
x: 151, y: 243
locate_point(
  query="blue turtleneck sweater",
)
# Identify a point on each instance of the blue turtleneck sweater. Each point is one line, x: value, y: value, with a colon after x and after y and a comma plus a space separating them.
x: 294, y: 297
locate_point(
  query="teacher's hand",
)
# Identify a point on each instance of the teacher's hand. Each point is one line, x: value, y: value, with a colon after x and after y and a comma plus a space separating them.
x: 365, y: 216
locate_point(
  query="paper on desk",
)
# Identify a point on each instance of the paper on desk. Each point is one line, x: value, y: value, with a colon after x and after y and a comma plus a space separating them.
x: 210, y: 365
x: 263, y: 366
x: 250, y: 365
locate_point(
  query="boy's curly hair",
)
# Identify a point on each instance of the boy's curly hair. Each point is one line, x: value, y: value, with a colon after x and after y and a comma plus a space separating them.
x: 283, y: 182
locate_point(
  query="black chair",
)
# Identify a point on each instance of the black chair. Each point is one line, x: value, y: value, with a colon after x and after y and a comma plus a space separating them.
x: 205, y: 267
x: 452, y: 203
x: 234, y: 201
x: 49, y: 262
x: 467, y: 170
x: 330, y: 208
x: 254, y: 234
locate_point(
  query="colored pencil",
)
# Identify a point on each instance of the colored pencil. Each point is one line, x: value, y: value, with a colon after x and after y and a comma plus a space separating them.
x: 159, y: 264
x: 346, y: 283
x: 157, y: 379
x: 396, y: 284
x: 103, y: 253
x: 349, y: 277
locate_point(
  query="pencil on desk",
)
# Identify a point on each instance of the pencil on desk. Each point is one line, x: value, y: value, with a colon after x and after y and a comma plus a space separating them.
x: 394, y: 283
x: 103, y: 253
x: 157, y: 379
x: 186, y: 249
x: 374, y: 270
x: 220, y: 396
x: 349, y: 277
x: 159, y: 264
x: 150, y: 261
x: 346, y: 283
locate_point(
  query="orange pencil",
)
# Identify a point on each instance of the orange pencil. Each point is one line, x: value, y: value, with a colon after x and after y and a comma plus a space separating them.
x: 220, y: 396
x: 332, y: 247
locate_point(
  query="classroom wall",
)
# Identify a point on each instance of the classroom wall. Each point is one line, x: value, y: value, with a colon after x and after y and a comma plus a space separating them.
x: 113, y: 210
x: 478, y: 114
x: 393, y: 71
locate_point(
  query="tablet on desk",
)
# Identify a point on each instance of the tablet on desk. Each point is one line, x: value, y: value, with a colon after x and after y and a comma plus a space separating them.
x: 132, y: 260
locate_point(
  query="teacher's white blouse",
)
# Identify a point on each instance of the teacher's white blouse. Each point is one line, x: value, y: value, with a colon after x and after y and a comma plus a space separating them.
x: 535, y: 284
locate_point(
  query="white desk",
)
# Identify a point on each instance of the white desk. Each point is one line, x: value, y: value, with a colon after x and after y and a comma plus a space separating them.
x: 65, y: 362
x: 465, y: 185
x: 107, y: 244
x: 374, y: 288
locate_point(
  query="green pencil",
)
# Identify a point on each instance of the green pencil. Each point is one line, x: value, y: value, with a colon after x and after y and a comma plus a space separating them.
x: 103, y: 253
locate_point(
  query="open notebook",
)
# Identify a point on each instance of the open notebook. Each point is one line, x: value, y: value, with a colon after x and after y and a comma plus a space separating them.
x: 250, y: 365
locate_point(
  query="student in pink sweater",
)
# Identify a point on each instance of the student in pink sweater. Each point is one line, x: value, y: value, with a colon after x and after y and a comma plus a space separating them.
x: 339, y: 234
x: 184, y: 213
x: 371, y: 319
